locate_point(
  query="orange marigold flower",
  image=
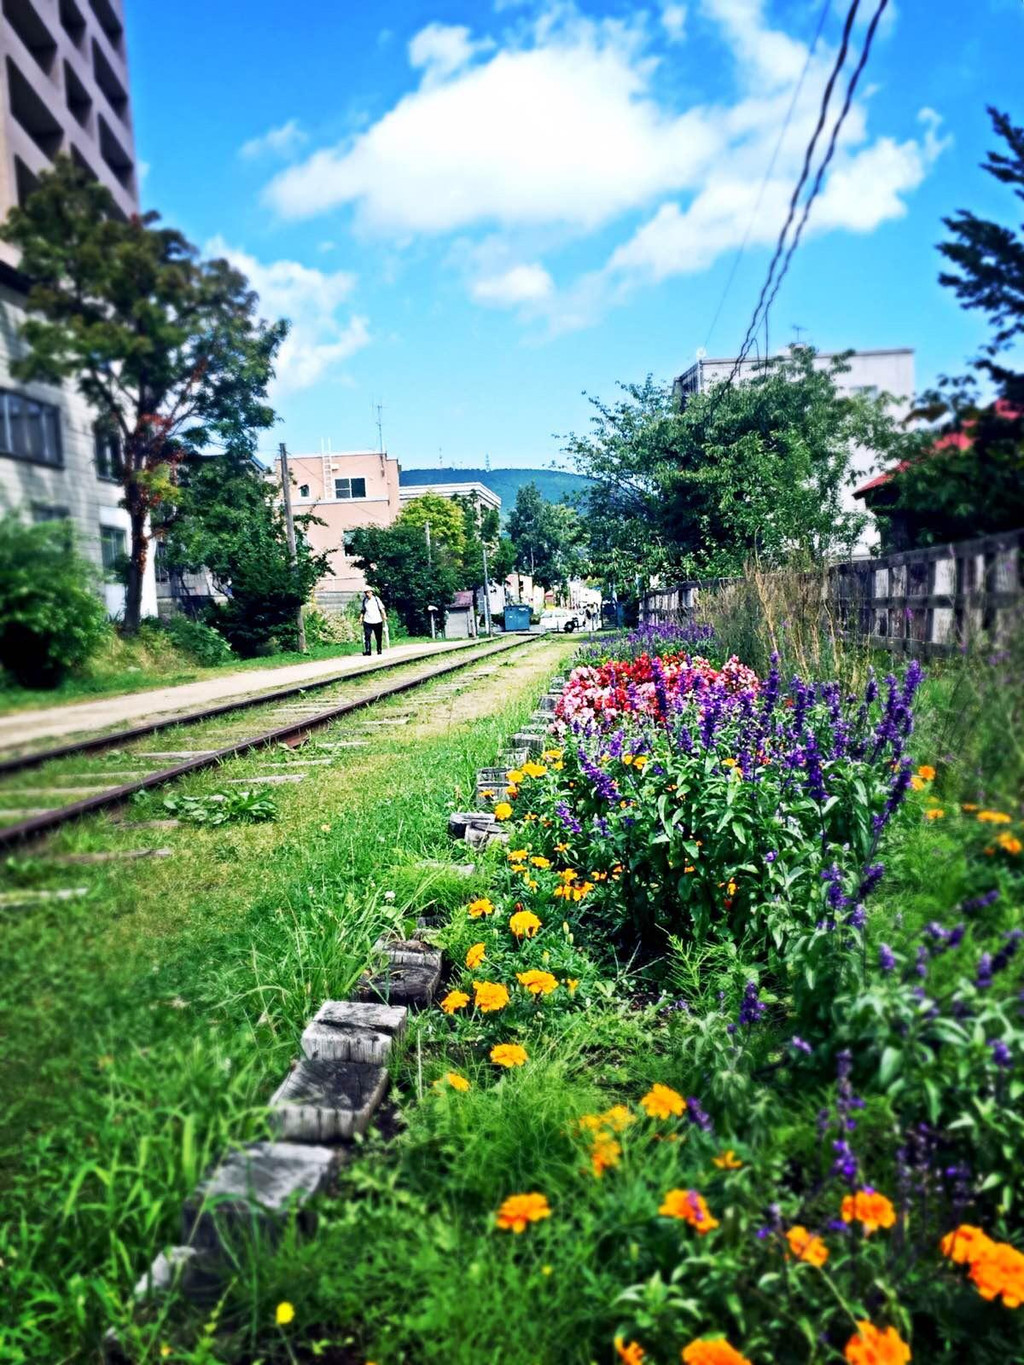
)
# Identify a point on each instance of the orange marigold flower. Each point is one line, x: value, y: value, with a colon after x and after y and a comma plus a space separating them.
x: 508, y: 1054
x: 606, y: 1152
x: 617, y: 1118
x: 476, y: 955
x: 927, y: 772
x: 537, y: 982
x: 567, y: 874
x: 524, y: 924
x: 690, y: 1207
x: 937, y: 813
x: 727, y: 1161
x: 456, y: 1081
x: 1009, y: 843
x: 999, y: 1272
x: 715, y: 1352
x: 632, y: 1353
x: 869, y: 1208
x: 519, y: 1210
x: 805, y: 1246
x: 871, y: 1346
x: 662, y: 1102
x: 969, y: 806
x: 502, y: 810
x: 480, y: 906
x: 516, y: 855
x: 489, y: 996
x: 993, y: 817
x: 454, y: 1000
x: 965, y: 1244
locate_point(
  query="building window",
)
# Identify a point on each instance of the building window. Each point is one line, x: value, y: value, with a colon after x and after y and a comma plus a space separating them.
x: 29, y: 430
x: 113, y: 547
x: 349, y: 488
x: 109, y: 463
x: 303, y: 490
x: 160, y: 569
x: 43, y: 512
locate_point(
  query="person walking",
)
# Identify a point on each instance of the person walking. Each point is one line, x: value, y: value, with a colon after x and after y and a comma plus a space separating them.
x: 373, y: 616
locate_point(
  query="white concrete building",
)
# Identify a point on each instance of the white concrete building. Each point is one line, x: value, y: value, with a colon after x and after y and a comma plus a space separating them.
x: 64, y: 91
x: 485, y: 498
x: 883, y: 371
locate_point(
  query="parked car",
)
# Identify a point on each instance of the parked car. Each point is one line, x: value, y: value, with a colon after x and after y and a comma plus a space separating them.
x: 560, y: 618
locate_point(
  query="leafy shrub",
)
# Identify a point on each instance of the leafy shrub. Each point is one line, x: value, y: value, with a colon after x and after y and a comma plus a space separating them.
x: 328, y: 628
x: 200, y: 641
x: 237, y: 805
x: 51, y: 619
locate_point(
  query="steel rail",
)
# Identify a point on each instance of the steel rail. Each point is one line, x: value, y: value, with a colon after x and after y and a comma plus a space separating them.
x: 111, y: 739
x: 12, y: 835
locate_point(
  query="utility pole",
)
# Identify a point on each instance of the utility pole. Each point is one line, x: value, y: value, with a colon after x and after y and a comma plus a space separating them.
x: 487, y: 587
x: 289, y: 525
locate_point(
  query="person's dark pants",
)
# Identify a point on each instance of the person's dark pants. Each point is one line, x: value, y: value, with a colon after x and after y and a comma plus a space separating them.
x: 371, y: 632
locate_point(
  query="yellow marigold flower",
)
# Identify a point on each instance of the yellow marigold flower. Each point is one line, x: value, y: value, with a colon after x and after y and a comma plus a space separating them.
x: 285, y: 1314
x: 489, y: 996
x: 605, y: 1153
x: 728, y: 762
x: 1009, y: 843
x: 998, y: 1272
x: 516, y: 855
x: 727, y: 1161
x: 580, y: 889
x: 965, y: 1244
x: 567, y: 875
x: 618, y: 1117
x: 487, y: 794
x: 454, y: 1000
x: 532, y: 769
x: 551, y: 753
x: 515, y: 776
x: 572, y: 982
x: 936, y: 813
x: 519, y: 1210
x: 968, y: 806
x: 918, y: 783
x: 524, y: 924
x: 510, y: 791
x: 871, y: 1209
x: 715, y: 1352
x: 456, y: 1081
x: 691, y: 1208
x: 632, y: 1353
x: 927, y: 772
x: 537, y: 982
x: 502, y: 810
x: 561, y: 848
x: 662, y: 1102
x: 166, y: 1351
x: 539, y: 860
x: 481, y: 906
x: 530, y: 883
x: 640, y: 761
x: 475, y: 955
x: 805, y: 1246
x: 508, y: 1054
x: 993, y: 817
x: 870, y: 1346
x: 529, y: 817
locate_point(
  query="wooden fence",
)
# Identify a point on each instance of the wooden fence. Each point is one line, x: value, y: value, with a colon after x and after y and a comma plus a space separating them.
x: 917, y: 600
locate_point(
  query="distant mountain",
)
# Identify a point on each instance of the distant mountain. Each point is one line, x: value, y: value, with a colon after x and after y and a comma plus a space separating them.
x: 554, y: 484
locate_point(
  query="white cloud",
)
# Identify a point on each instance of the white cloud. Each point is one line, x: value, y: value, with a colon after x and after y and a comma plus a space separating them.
x: 275, y: 141
x: 319, y: 338
x: 519, y: 284
x: 562, y: 129
x: 673, y: 21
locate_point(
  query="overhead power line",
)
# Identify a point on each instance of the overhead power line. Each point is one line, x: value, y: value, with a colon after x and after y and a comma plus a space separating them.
x: 826, y: 7
x: 795, y: 198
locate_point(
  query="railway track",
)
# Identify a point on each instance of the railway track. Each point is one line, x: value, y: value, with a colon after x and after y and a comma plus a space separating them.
x: 93, y: 791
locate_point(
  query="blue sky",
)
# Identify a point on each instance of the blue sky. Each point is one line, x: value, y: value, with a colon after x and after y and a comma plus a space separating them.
x: 473, y: 212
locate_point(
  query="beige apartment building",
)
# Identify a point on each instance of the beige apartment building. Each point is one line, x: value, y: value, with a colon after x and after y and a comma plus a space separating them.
x: 64, y: 91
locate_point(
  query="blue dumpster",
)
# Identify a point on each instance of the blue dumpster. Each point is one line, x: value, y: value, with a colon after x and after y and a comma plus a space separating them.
x: 517, y: 617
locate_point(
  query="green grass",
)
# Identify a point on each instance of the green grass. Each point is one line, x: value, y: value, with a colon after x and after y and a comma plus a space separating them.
x: 144, y: 1026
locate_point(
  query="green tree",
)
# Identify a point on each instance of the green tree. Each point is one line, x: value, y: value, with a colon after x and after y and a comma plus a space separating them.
x: 167, y: 348
x: 550, y: 539
x: 446, y: 520
x: 750, y: 469
x: 51, y: 617
x: 398, y: 568
x: 226, y: 518
x: 968, y: 478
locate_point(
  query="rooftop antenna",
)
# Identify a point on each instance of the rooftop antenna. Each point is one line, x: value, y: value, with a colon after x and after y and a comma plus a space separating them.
x: 380, y: 427
x: 440, y: 462
x: 487, y: 463
x: 798, y: 331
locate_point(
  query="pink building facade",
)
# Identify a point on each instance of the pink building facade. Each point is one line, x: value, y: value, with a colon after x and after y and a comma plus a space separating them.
x: 344, y: 490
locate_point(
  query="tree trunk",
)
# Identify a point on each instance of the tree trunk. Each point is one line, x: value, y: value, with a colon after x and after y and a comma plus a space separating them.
x: 136, y: 570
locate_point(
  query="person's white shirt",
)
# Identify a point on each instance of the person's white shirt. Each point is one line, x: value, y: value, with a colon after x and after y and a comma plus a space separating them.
x: 373, y: 613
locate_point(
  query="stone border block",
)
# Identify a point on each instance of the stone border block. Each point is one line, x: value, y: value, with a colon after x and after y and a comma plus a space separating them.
x: 349, y: 1031
x: 327, y: 1101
